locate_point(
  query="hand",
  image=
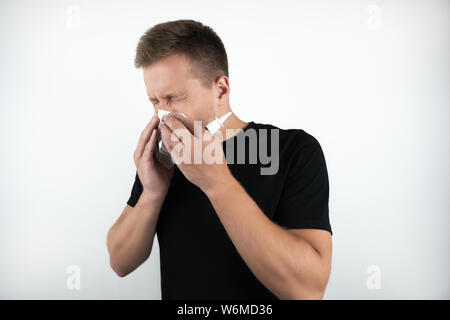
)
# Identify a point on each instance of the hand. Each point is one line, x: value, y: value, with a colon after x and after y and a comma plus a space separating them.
x: 155, y: 178
x: 197, y: 153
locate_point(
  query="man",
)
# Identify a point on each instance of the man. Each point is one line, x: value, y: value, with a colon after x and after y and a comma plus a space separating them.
x: 225, y: 229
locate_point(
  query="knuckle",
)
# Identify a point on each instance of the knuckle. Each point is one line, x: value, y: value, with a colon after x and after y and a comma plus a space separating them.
x: 169, y: 119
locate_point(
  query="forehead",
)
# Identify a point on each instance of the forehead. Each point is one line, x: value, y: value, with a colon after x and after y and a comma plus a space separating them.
x: 170, y: 75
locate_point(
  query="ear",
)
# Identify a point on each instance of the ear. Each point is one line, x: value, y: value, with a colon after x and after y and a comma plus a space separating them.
x: 223, y: 87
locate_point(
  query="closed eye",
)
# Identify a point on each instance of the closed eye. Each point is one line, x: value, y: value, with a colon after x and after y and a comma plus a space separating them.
x: 168, y: 99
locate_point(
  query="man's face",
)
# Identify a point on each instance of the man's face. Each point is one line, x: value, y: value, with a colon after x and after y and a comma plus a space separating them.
x: 172, y: 87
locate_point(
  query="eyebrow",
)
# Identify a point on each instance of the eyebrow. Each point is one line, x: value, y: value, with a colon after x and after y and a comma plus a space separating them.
x: 169, y: 95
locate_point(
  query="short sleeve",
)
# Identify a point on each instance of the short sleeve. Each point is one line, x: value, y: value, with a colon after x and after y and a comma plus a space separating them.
x: 304, y: 199
x: 135, y: 192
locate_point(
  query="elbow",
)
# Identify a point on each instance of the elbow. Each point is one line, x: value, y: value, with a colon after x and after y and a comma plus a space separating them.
x: 114, y: 263
x: 315, y: 294
x: 120, y: 274
x: 122, y: 262
x: 301, y: 290
x: 308, y: 294
x: 310, y: 286
x: 113, y: 260
x: 121, y: 265
x: 118, y: 269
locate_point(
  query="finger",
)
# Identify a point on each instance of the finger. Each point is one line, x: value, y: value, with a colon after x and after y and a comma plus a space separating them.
x: 185, y: 121
x: 166, y: 136
x: 178, y: 128
x: 145, y: 136
x: 148, y: 151
x: 181, y: 134
x: 146, y: 132
x: 171, y: 120
x: 171, y: 141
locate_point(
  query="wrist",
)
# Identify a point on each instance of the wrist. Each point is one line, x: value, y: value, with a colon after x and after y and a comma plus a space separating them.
x: 221, y: 187
x: 152, y: 197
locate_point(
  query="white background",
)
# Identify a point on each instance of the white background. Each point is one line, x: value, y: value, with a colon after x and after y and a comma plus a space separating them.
x: 369, y: 79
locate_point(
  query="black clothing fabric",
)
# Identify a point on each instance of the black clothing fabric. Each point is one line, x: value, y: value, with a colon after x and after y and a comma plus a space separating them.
x: 198, y: 259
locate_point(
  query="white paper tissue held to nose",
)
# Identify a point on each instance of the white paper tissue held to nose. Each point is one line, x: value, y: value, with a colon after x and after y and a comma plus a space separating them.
x: 163, y: 155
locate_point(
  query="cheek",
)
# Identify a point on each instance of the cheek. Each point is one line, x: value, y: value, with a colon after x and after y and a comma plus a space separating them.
x: 199, y: 110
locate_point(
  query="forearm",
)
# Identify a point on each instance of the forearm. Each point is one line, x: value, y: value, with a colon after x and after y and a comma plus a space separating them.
x: 286, y: 264
x: 130, y: 239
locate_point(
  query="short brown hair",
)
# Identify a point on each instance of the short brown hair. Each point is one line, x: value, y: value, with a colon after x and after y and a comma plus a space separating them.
x: 199, y: 43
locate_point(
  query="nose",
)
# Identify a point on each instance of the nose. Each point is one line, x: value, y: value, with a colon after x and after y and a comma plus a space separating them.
x: 164, y: 107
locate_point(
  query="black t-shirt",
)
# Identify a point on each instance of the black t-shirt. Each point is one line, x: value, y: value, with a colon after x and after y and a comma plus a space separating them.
x: 198, y: 259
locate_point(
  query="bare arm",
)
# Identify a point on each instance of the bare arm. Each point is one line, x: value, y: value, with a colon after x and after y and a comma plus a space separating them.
x: 130, y: 239
x: 293, y: 264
